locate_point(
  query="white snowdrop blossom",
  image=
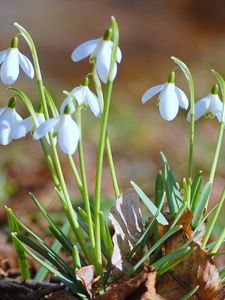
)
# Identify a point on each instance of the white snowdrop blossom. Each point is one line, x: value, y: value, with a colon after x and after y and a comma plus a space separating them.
x: 68, y: 132
x: 9, y: 121
x: 27, y: 125
x: 101, y: 50
x: 11, y: 60
x: 170, y: 98
x: 209, y: 106
x: 84, y: 95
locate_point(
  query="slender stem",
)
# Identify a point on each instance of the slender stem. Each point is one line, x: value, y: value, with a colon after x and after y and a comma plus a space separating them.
x: 213, y: 221
x: 112, y: 168
x: 191, y: 129
x: 75, y: 173
x: 99, y: 166
x: 98, y: 88
x: 70, y: 211
x: 84, y: 181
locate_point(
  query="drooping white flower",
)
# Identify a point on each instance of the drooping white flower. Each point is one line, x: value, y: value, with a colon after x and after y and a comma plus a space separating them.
x: 11, y: 60
x: 9, y: 120
x: 170, y: 98
x: 84, y: 95
x: 27, y: 125
x: 209, y: 106
x: 68, y: 132
x: 101, y: 50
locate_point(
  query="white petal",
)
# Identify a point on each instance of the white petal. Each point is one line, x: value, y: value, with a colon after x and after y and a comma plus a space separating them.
x: 151, y: 92
x: 182, y: 98
x: 68, y: 134
x: 26, y: 65
x: 84, y: 50
x: 201, y: 107
x: 40, y: 118
x: 168, y: 102
x: 3, y: 55
x: 10, y: 67
x: 8, y: 119
x: 216, y: 106
x: 93, y: 103
x: 66, y: 102
x: 79, y: 94
x: 118, y: 55
x: 45, y: 127
x: 103, y: 60
x: 23, y: 128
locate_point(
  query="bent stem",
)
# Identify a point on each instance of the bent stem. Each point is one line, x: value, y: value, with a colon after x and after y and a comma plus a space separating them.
x: 69, y: 208
x: 101, y: 147
x: 221, y: 129
x: 190, y: 81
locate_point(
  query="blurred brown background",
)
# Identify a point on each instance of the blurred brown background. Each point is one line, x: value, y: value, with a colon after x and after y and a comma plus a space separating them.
x: 150, y: 32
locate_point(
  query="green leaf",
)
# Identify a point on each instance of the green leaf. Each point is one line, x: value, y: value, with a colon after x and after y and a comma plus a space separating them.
x: 106, y: 236
x: 191, y: 293
x: 195, y: 189
x: 201, y: 204
x: 173, y: 194
x: 153, y: 248
x: 145, y: 235
x: 56, y: 247
x: 22, y: 260
x: 73, y: 284
x: 149, y: 204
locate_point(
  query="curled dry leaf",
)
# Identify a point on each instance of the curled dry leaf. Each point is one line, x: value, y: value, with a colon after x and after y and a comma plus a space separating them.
x: 126, y: 219
x: 141, y: 287
x: 86, y: 276
x: 198, y: 269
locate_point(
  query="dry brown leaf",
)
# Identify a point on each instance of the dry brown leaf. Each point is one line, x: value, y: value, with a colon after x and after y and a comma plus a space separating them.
x: 198, y: 269
x: 140, y: 288
x: 126, y: 219
x: 86, y: 276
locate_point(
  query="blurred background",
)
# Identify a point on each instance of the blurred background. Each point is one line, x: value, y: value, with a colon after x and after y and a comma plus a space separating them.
x: 150, y: 32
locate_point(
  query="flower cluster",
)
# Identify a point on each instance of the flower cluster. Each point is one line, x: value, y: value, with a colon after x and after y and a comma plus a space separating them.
x: 62, y: 128
x: 171, y: 97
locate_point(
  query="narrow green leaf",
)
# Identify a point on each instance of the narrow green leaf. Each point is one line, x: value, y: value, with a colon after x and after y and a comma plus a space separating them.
x: 153, y: 248
x: 191, y: 293
x: 22, y: 260
x: 173, y: 194
x: 178, y: 215
x: 195, y: 189
x: 73, y: 284
x: 76, y: 257
x: 201, y: 204
x: 149, y: 204
x: 56, y: 246
x: 106, y: 236
x: 145, y: 235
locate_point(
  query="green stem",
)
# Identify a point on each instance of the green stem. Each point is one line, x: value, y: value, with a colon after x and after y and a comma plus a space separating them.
x: 112, y: 168
x: 84, y: 180
x: 75, y: 173
x: 191, y: 130
x: 98, y: 88
x: 70, y: 211
x: 213, y: 221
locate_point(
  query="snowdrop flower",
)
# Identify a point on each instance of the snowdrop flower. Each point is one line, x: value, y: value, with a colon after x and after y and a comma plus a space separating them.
x: 67, y: 131
x: 170, y: 98
x: 11, y: 59
x: 84, y: 95
x: 27, y: 125
x: 9, y: 120
x: 101, y: 50
x: 210, y: 106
